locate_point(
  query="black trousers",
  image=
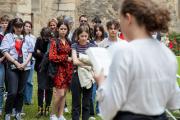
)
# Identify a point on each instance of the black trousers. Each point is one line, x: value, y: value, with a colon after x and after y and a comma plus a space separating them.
x: 131, y: 116
x: 16, y: 81
x: 77, y: 90
x: 47, y: 93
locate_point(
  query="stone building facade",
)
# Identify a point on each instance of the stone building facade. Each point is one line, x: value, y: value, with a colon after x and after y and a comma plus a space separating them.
x: 40, y: 11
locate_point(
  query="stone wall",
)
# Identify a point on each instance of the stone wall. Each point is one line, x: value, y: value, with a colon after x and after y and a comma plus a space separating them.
x: 49, y: 9
x: 40, y: 11
x: 13, y: 8
x: 103, y: 8
x: 107, y: 9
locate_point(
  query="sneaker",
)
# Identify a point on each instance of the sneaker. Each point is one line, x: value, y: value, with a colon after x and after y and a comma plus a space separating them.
x: 92, y: 118
x: 23, y: 113
x: 18, y: 116
x: 5, y: 96
x: 13, y: 112
x: 62, y: 118
x: 66, y: 110
x: 40, y: 112
x: 7, y: 117
x: 46, y: 112
x: 53, y: 117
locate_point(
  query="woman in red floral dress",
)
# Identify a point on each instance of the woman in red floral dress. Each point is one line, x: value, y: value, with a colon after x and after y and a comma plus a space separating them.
x: 60, y: 53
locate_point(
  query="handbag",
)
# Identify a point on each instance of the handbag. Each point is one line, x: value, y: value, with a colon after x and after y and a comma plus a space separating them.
x: 52, y: 69
x: 49, y: 66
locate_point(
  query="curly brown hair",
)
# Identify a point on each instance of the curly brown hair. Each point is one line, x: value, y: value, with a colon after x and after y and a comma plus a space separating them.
x: 147, y: 13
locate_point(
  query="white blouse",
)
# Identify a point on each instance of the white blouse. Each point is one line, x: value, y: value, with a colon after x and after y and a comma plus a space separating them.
x: 142, y: 80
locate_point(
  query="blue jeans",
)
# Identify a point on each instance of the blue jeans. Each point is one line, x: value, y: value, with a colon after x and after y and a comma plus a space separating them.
x: 29, y: 86
x: 2, y: 77
x: 93, y: 100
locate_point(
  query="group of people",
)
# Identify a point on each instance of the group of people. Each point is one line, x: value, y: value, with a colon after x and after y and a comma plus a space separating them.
x: 141, y: 82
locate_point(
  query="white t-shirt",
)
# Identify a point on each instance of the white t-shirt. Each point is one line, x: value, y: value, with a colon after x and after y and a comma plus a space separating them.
x: 142, y: 80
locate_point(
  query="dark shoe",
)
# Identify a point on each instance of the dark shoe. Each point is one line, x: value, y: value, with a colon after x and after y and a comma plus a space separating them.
x: 40, y: 112
x: 46, y: 112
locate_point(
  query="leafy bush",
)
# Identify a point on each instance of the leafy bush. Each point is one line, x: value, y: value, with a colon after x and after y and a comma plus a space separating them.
x: 174, y: 43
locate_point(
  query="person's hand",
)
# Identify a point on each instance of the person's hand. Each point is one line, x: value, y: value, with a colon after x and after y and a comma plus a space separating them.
x: 38, y: 51
x: 17, y: 64
x: 69, y: 59
x: 99, y: 78
x: 23, y: 65
x: 1, y: 59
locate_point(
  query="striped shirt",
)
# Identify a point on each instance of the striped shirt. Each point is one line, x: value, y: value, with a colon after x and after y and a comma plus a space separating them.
x: 82, y: 48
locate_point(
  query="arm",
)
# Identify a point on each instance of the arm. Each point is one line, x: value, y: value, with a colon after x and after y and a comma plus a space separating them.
x: 23, y: 65
x: 11, y: 59
x: 76, y: 61
x: 173, y: 103
x: 114, y: 89
x: 53, y: 56
x: 2, y: 58
x: 37, y: 53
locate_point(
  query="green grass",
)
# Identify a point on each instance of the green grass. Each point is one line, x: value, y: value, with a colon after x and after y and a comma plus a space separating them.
x: 178, y: 60
x: 31, y: 110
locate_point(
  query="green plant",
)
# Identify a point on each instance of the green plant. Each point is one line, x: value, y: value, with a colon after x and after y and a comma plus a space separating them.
x: 174, y: 43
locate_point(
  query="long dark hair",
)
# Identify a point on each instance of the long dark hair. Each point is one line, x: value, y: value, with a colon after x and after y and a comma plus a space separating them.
x: 62, y: 22
x: 101, y: 28
x: 9, y: 28
x: 84, y: 28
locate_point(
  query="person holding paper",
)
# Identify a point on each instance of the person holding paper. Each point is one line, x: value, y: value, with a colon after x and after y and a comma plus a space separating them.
x: 141, y: 82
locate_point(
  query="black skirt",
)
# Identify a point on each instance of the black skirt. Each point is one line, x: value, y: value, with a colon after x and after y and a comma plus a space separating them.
x: 131, y: 116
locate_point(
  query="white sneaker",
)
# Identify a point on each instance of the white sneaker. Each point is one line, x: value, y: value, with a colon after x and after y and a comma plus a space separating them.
x: 66, y: 110
x: 23, y: 114
x: 7, y: 117
x: 18, y: 116
x: 13, y: 112
x: 62, y: 118
x: 53, y: 117
x: 5, y: 96
x: 92, y: 118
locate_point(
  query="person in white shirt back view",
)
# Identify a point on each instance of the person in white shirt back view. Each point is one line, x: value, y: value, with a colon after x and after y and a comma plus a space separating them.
x: 141, y: 83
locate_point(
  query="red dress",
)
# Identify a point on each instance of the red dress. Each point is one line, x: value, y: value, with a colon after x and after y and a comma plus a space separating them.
x: 65, y: 68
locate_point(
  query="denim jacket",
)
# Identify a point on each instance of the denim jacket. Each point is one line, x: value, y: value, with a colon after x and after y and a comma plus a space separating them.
x: 8, y: 45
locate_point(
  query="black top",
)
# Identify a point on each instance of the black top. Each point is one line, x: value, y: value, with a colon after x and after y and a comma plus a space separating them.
x: 42, y: 46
